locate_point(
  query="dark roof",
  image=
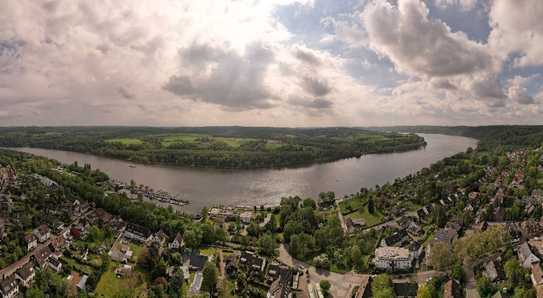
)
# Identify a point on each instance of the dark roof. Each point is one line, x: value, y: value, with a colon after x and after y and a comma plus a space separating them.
x: 138, y: 230
x: 8, y: 284
x: 25, y: 271
x: 41, y: 255
x: 53, y: 262
x: 251, y: 259
x: 395, y: 237
x: 197, y: 261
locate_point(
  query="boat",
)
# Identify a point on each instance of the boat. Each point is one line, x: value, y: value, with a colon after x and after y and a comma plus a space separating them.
x: 131, y: 166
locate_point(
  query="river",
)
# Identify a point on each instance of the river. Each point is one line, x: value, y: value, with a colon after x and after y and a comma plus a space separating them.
x: 207, y: 187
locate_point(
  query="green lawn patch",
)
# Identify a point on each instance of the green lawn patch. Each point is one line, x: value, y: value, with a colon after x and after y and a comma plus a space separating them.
x: 126, y: 141
x: 370, y: 219
x: 109, y: 285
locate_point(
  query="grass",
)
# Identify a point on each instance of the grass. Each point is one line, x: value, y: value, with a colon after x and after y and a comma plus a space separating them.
x: 370, y: 219
x: 126, y: 141
x: 136, y: 250
x: 350, y: 205
x: 128, y: 286
x: 180, y: 138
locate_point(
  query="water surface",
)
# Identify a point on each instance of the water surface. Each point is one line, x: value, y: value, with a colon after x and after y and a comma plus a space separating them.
x: 207, y: 187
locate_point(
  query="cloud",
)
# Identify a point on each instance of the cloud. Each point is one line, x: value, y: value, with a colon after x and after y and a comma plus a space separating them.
x: 315, y: 86
x: 307, y: 57
x: 224, y: 77
x: 517, y: 27
x: 318, y: 103
x: 462, y: 4
x: 518, y: 92
x: 419, y: 45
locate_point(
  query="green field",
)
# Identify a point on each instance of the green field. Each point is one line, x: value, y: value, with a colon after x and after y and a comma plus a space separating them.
x: 370, y: 219
x: 128, y: 286
x: 229, y: 147
x: 125, y: 141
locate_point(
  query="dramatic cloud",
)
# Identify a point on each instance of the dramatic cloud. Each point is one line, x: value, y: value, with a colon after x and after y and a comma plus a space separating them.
x: 224, y: 77
x: 417, y: 44
x: 284, y: 62
x: 517, y: 27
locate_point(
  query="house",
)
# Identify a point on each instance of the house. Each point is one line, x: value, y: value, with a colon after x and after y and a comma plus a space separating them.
x: 537, y: 246
x: 252, y: 261
x: 42, y: 233
x: 222, y: 215
x: 9, y: 287
x: 453, y: 289
x: 446, y: 236
x: 354, y: 225
x: 76, y: 232
x: 123, y: 270
x: 197, y: 262
x: 160, y: 238
x: 54, y: 264
x: 490, y: 271
x: 393, y: 258
x: 25, y: 274
x: 103, y: 216
x: 41, y: 255
x: 526, y: 257
x: 414, y: 230
x: 31, y: 242
x: 177, y: 242
x: 137, y: 233
x: 282, y: 286
x: 246, y: 217
x: 121, y: 253
x: 395, y: 238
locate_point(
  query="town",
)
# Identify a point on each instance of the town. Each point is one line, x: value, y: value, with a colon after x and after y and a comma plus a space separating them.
x: 468, y: 226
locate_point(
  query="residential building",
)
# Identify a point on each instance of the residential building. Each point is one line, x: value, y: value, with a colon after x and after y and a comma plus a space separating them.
x: 177, y: 242
x: 54, y: 264
x: 137, y: 233
x: 25, y: 274
x: 42, y: 233
x: 526, y: 257
x: 31, y: 242
x: 393, y: 258
x: 453, y: 289
x: 246, y: 217
x: 9, y: 287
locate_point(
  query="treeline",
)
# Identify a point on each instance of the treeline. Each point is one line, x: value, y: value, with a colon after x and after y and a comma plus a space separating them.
x: 508, y: 136
x: 296, y: 147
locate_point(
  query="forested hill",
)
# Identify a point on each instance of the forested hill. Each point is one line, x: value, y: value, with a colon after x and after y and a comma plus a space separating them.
x: 214, y: 147
x: 489, y: 136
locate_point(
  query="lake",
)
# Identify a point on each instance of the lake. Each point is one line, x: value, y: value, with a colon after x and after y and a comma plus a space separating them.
x: 207, y: 187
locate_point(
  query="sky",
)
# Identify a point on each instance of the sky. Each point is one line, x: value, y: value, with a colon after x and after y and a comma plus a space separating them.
x: 271, y: 62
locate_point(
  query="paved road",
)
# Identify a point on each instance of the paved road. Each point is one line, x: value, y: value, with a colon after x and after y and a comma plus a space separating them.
x: 342, y: 284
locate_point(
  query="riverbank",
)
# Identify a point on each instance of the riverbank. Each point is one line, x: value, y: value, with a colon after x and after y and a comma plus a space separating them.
x: 204, y: 187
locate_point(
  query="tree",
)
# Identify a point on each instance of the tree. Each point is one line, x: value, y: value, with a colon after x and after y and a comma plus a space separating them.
x: 440, y: 256
x: 426, y: 291
x: 382, y: 286
x: 267, y: 245
x: 371, y: 206
x: 325, y: 287
x: 210, y: 277
x: 193, y: 237
x: 485, y: 287
x: 513, y: 271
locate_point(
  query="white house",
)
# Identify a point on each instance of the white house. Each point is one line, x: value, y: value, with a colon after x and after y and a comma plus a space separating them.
x: 393, y: 258
x: 177, y: 242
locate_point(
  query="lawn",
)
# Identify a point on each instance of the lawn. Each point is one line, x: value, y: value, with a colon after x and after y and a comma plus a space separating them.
x: 180, y: 138
x: 208, y: 251
x: 350, y: 205
x: 136, y: 250
x: 370, y: 219
x: 128, y: 286
x: 126, y: 141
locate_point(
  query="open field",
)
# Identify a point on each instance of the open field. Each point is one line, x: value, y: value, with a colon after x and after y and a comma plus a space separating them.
x: 215, y: 147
